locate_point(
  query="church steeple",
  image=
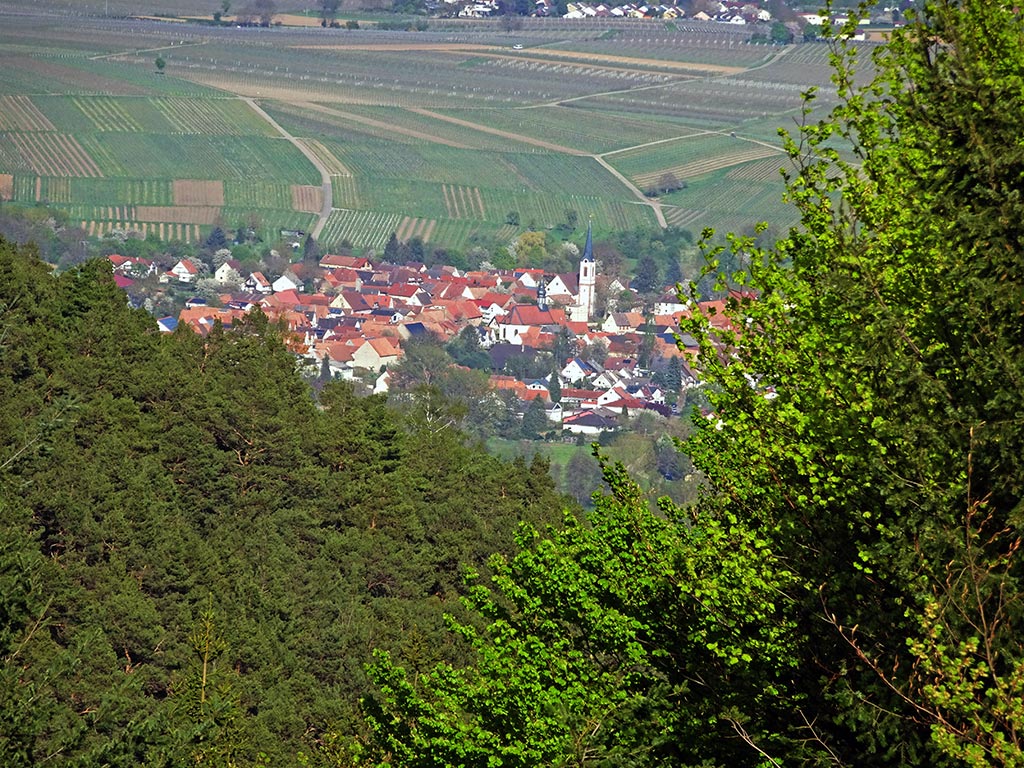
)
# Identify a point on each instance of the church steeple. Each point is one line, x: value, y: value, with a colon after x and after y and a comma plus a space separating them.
x: 584, y: 309
x: 542, y: 294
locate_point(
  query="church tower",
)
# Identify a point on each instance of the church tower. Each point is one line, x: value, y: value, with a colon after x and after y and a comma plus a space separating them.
x: 584, y: 309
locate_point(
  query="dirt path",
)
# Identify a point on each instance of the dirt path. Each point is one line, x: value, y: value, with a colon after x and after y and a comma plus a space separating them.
x: 381, y: 124
x: 498, y: 132
x: 654, y: 205
x: 137, y: 51
x: 325, y: 176
x: 659, y: 141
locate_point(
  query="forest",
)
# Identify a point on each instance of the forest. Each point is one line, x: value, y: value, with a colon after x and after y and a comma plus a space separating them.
x: 205, y: 563
x: 199, y: 552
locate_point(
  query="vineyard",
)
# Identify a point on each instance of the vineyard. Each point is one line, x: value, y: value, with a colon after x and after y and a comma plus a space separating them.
x: 574, y: 127
x: 696, y: 48
x: 421, y: 228
x: 18, y: 113
x: 189, y: 233
x: 199, y: 157
x: 439, y: 134
x: 306, y: 199
x: 183, y: 214
x: 696, y: 168
x: 209, y: 116
x: 346, y: 192
x: 362, y: 229
x: 53, y: 190
x: 334, y: 166
x: 413, y: 123
x: 759, y: 171
x: 106, y: 114
x: 694, y: 157
x: 123, y: 191
x: 52, y: 154
x: 463, y: 202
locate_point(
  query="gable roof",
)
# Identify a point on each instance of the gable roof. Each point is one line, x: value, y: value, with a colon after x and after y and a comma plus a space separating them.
x: 528, y: 314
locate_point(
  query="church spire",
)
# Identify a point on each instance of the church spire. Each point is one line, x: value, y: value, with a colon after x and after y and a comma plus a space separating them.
x: 584, y: 309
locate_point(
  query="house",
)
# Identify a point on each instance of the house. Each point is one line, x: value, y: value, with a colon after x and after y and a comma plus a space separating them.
x: 334, y: 261
x: 622, y: 322
x: 618, y: 399
x: 607, y: 379
x: 554, y: 412
x: 257, y: 283
x: 351, y: 302
x: 576, y: 370
x: 228, y: 274
x: 511, y: 328
x: 132, y: 266
x: 409, y: 294
x: 587, y: 423
x: 184, y: 272
x: 286, y: 282
x: 563, y: 288
x: 374, y: 354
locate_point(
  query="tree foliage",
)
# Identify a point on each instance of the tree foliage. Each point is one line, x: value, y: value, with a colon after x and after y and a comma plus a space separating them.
x: 847, y: 589
x: 887, y: 461
x: 576, y: 664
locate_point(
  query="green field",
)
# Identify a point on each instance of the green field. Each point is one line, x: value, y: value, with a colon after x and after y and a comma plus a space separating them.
x: 439, y: 134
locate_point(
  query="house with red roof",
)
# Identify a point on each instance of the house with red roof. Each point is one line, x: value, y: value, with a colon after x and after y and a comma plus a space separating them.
x: 258, y: 283
x: 184, y: 272
x: 377, y: 353
x: 523, y: 317
x: 334, y: 261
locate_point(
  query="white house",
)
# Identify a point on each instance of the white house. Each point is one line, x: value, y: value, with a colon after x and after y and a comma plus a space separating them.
x: 184, y: 271
x: 286, y: 282
x: 257, y: 283
x: 227, y: 274
x: 576, y: 370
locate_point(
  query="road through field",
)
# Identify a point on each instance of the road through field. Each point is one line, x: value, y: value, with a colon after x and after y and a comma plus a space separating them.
x: 325, y: 175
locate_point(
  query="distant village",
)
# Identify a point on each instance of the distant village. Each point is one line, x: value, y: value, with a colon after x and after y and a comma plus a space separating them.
x: 354, y: 323
x: 732, y: 12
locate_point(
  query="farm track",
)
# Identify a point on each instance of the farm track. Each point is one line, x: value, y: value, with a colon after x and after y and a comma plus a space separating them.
x: 137, y: 51
x: 369, y: 121
x: 498, y: 132
x: 325, y: 174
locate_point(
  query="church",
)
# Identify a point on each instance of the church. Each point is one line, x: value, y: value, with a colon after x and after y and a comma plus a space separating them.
x: 582, y: 311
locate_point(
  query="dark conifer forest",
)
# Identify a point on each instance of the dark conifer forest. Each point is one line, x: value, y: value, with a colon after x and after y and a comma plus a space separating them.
x: 198, y: 554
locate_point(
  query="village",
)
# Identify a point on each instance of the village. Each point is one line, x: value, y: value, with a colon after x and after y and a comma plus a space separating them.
x: 361, y: 314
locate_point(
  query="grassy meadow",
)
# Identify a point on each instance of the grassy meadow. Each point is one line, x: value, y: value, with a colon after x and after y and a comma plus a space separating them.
x: 439, y: 134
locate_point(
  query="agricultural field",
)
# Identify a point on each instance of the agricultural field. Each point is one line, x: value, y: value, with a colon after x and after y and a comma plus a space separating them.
x: 690, y: 157
x: 571, y: 126
x: 438, y: 134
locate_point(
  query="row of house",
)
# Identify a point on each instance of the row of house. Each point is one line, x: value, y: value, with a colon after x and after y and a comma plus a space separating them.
x: 731, y: 12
